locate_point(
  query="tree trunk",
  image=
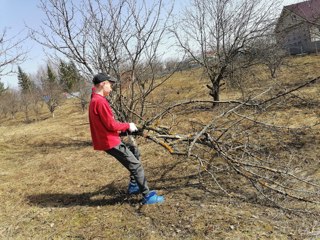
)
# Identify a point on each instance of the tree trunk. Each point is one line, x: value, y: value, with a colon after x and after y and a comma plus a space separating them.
x: 26, y: 112
x: 215, y: 86
x: 216, y: 90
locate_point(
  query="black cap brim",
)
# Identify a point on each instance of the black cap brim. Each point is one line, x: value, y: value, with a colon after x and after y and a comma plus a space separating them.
x: 101, y: 77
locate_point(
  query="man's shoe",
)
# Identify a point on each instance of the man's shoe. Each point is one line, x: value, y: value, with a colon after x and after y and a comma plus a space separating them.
x: 133, y: 188
x: 152, y: 198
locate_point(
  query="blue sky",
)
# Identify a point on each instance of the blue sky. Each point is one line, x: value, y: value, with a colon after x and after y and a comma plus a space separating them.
x: 15, y: 15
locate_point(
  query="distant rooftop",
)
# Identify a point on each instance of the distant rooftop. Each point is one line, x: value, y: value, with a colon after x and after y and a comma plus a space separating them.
x: 309, y: 10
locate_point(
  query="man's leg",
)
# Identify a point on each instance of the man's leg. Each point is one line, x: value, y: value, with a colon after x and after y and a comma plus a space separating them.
x: 134, y: 149
x: 123, y: 154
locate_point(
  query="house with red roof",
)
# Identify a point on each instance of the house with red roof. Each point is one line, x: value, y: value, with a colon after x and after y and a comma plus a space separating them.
x: 298, y: 27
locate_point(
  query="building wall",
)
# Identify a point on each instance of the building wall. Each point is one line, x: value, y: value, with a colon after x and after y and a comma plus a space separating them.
x: 296, y: 35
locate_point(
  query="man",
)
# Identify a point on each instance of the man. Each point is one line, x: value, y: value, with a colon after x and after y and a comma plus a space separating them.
x: 105, y: 132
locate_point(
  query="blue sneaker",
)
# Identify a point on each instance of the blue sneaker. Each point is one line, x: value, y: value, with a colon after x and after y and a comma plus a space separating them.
x: 152, y: 198
x: 133, y: 188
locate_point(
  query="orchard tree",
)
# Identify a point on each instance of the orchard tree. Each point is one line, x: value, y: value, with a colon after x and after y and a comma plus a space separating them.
x: 271, y: 54
x: 217, y: 33
x: 51, y: 89
x: 11, y: 52
x: 10, y: 103
x: 122, y: 38
x: 26, y: 86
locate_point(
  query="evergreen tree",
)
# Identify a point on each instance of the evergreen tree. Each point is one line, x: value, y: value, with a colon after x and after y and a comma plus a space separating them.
x: 24, y: 81
x: 73, y: 83
x: 2, y: 88
x: 68, y: 75
x: 26, y: 86
x: 52, y: 78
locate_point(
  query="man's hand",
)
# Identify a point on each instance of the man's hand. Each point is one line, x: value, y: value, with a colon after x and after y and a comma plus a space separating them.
x: 133, y: 127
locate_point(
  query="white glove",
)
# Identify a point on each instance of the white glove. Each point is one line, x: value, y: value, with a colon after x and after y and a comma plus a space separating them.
x: 133, y: 127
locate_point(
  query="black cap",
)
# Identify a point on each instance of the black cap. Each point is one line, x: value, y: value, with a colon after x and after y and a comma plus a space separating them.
x: 101, y: 77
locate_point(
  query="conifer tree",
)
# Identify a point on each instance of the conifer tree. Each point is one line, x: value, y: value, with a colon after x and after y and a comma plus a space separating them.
x: 2, y: 88
x: 73, y: 83
x: 52, y: 78
x: 68, y: 75
x: 26, y: 86
x: 24, y: 81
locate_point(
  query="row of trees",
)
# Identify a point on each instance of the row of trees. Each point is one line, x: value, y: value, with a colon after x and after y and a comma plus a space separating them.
x: 11, y: 53
x: 49, y: 86
x: 128, y: 38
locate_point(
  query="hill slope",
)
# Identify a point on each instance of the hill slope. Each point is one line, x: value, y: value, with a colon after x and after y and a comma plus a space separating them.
x: 54, y: 186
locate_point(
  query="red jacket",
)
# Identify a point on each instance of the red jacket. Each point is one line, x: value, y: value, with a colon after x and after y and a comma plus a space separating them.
x: 104, y: 128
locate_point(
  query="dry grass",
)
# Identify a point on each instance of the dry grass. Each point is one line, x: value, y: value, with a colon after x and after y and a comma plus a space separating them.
x: 54, y: 186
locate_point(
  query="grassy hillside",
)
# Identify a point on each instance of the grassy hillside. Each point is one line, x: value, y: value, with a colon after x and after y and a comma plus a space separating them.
x: 54, y: 186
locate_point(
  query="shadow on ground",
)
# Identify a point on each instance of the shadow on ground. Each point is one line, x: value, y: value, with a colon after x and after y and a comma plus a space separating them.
x: 188, y: 186
x: 107, y: 195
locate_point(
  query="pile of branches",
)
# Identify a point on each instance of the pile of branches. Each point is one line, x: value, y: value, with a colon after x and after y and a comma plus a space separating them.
x: 239, y: 141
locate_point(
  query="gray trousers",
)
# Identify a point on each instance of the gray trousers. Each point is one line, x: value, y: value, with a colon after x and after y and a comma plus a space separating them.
x: 129, y: 157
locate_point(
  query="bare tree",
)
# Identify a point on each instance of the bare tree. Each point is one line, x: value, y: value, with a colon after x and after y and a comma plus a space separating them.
x: 36, y: 101
x: 12, y: 102
x: 51, y: 89
x: 269, y: 53
x: 217, y: 33
x: 122, y: 38
x: 11, y: 52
